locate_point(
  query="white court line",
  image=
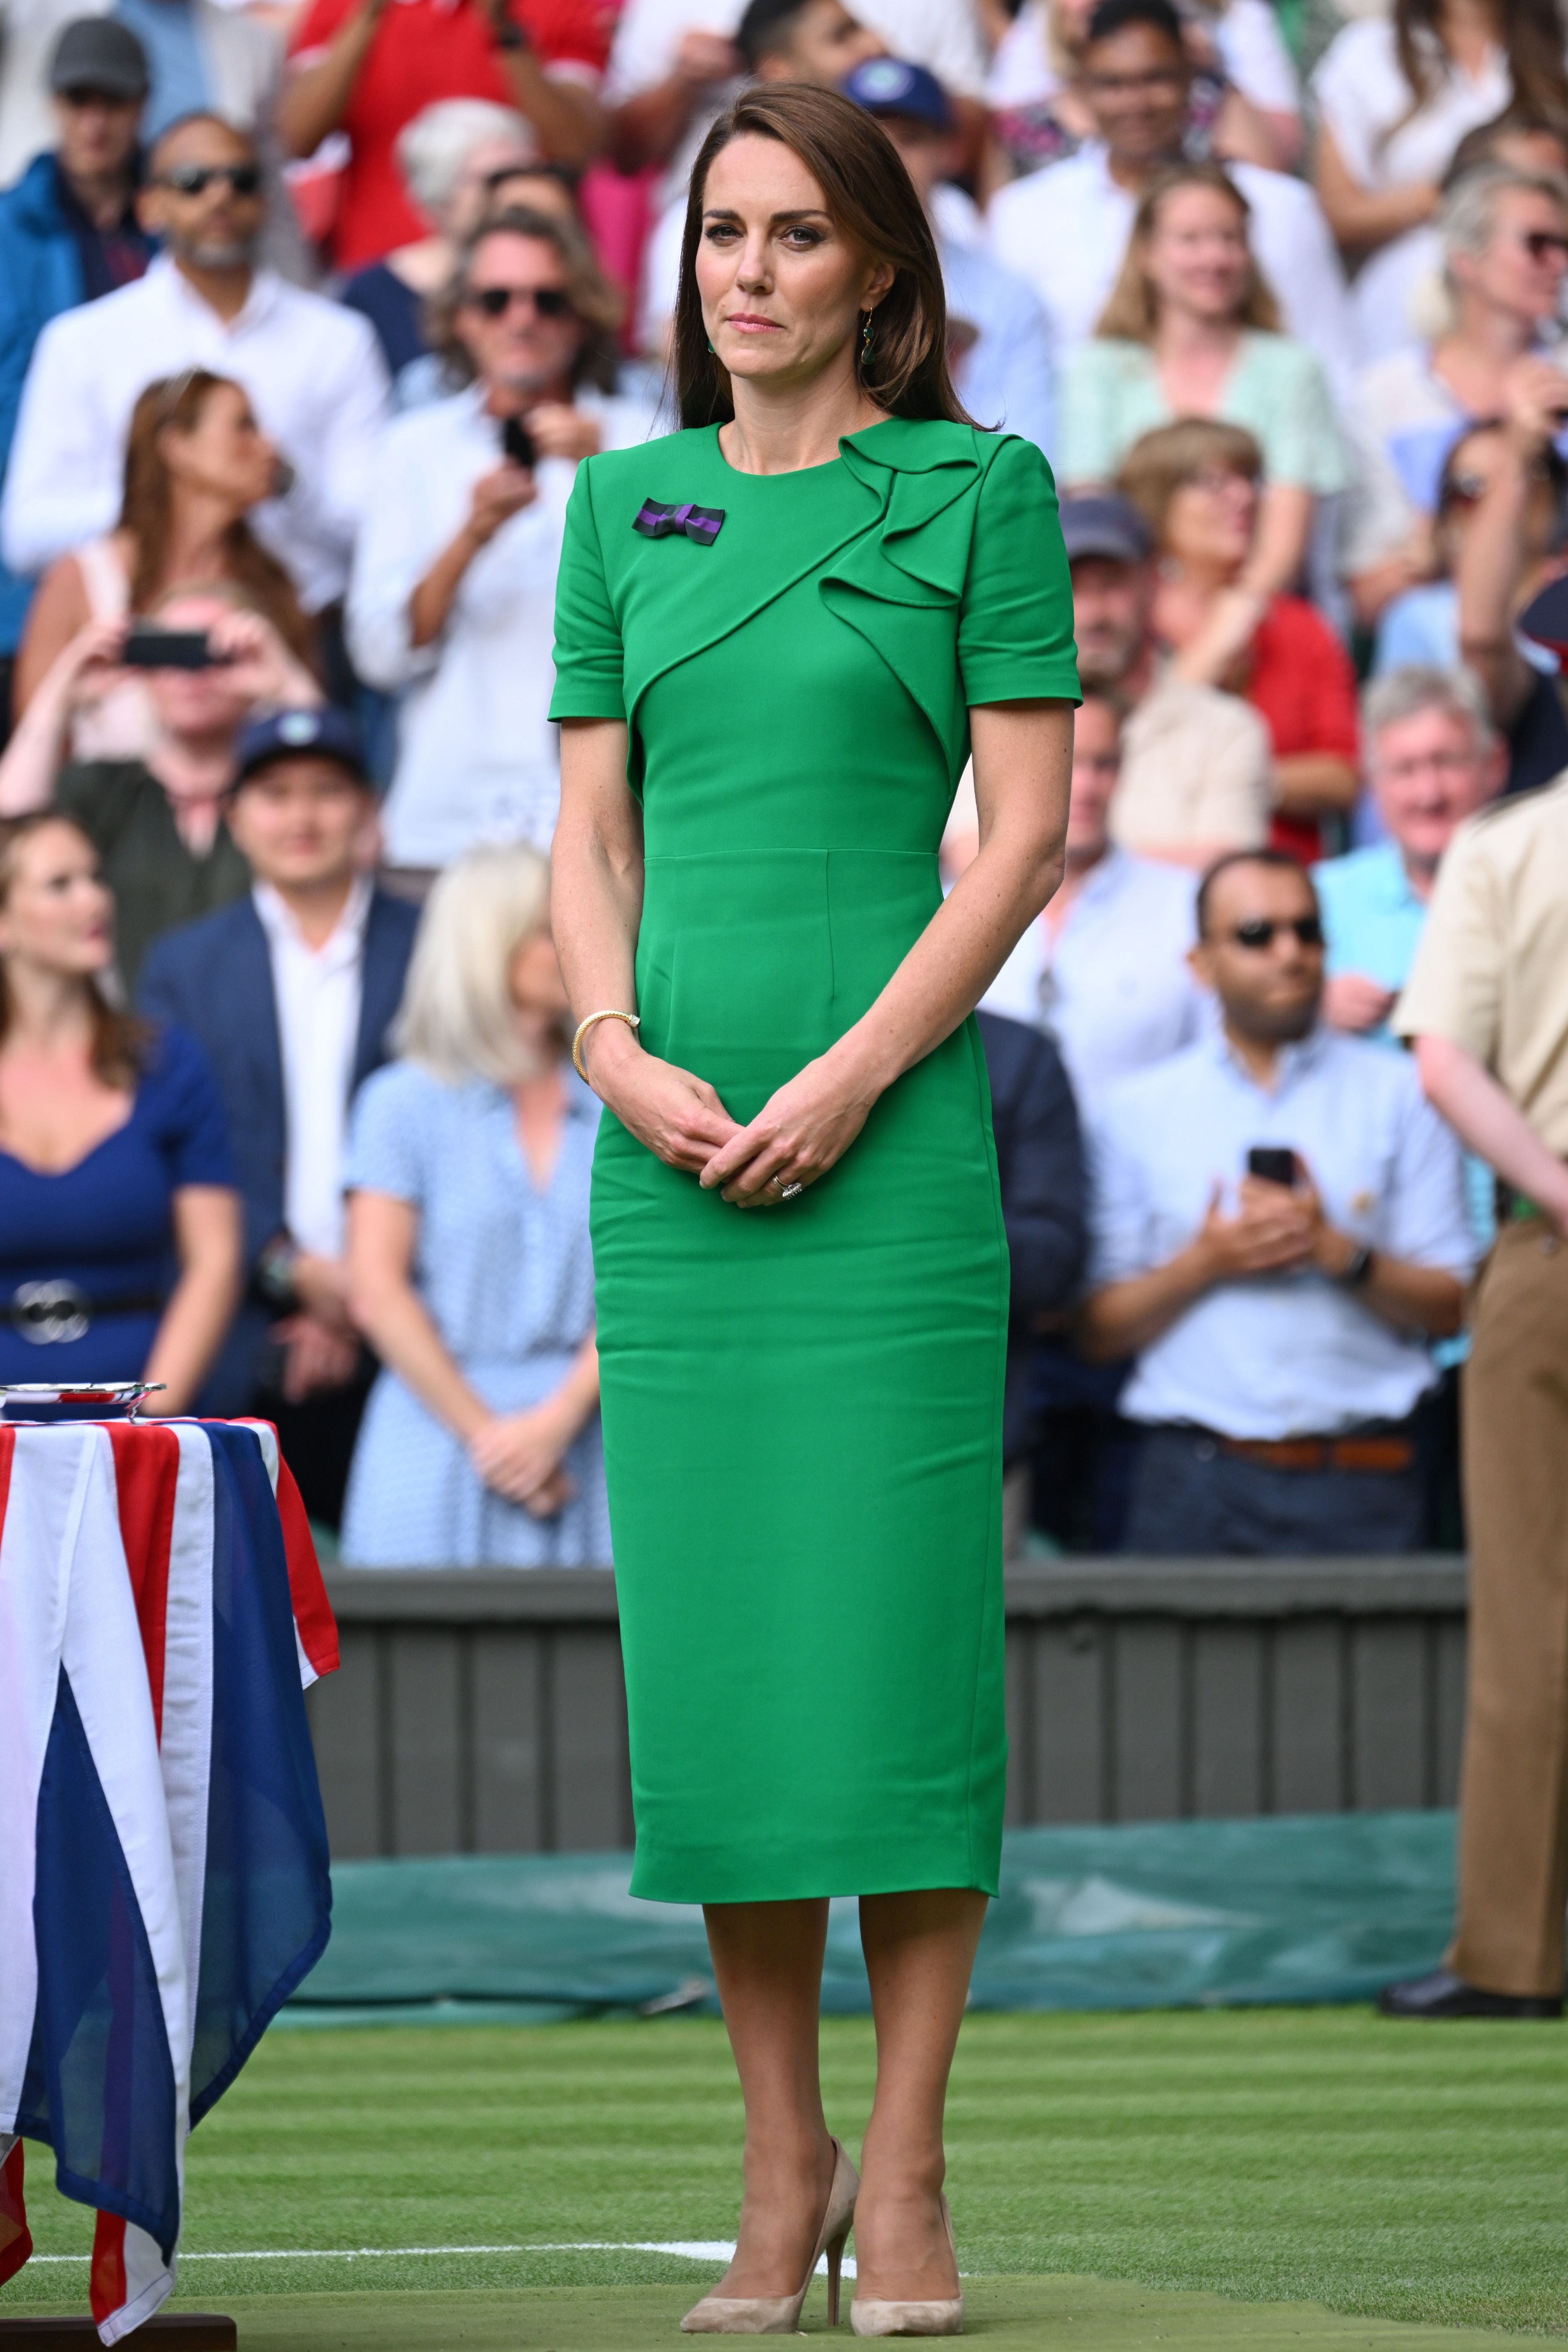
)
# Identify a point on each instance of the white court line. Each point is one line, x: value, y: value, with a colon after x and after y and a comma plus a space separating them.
x: 695, y: 2250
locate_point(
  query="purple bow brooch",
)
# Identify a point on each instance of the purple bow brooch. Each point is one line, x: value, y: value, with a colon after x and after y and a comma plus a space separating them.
x: 702, y: 524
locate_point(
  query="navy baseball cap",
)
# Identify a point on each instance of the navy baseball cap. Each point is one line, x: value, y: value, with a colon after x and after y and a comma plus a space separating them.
x: 1108, y: 526
x: 327, y: 733
x: 893, y: 86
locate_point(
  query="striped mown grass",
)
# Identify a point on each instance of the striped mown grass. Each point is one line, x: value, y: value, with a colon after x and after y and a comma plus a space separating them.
x: 1409, y: 2173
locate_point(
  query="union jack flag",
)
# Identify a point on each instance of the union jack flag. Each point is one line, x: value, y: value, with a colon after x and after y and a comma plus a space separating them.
x: 164, y: 1866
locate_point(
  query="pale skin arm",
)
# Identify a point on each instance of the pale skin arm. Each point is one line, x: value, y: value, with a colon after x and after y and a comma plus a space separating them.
x: 1486, y: 1118
x: 1276, y: 1228
x: 208, y: 1243
x: 1363, y: 218
x: 519, y: 1454
x: 495, y: 497
x: 33, y: 756
x: 1023, y: 759
x: 57, y: 613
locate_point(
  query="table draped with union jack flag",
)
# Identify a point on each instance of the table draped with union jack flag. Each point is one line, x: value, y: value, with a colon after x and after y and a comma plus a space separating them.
x: 163, y: 1863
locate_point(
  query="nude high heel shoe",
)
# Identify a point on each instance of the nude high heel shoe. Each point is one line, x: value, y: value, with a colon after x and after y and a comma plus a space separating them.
x: 868, y: 2317
x: 779, y: 2314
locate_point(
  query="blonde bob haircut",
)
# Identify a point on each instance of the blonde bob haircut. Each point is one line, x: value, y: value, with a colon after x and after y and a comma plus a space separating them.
x: 1132, y: 313
x: 458, y: 1019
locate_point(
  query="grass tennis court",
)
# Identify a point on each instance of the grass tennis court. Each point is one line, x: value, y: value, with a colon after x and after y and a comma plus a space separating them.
x: 1112, y: 2176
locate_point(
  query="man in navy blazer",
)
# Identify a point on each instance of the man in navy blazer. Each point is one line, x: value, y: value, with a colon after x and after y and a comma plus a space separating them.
x: 292, y: 991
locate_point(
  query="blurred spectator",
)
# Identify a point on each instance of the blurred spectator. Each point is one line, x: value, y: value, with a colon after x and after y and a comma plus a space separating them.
x: 196, y: 465
x: 121, y: 1248
x: 1399, y: 290
x: 451, y: 157
x: 1500, y: 566
x: 1485, y: 1004
x: 1245, y: 98
x: 311, y: 370
x: 1191, y: 330
x: 158, y: 821
x: 1397, y: 93
x: 363, y: 69
x: 999, y: 343
x: 68, y: 232
x: 1039, y: 1160
x: 1066, y: 228
x: 1279, y: 1227
x: 454, y: 585
x: 1197, y: 486
x: 198, y: 55
x: 1196, y: 771
x: 1104, y: 969
x: 1432, y: 760
x: 291, y: 993
x: 468, y: 1254
x: 1505, y: 256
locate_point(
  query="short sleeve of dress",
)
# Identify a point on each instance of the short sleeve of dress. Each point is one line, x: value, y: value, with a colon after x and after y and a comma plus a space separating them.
x: 1015, y: 632
x: 386, y: 1141
x: 192, y: 1125
x: 588, y: 654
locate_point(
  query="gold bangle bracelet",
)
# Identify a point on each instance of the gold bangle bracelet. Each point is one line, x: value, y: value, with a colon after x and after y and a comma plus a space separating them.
x: 632, y: 1019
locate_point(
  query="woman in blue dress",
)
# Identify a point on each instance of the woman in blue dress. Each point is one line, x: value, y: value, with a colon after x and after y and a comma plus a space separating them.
x: 468, y: 1258
x: 119, y: 1230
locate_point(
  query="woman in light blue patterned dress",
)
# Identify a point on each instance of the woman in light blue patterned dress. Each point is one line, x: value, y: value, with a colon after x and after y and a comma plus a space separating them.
x: 468, y: 1257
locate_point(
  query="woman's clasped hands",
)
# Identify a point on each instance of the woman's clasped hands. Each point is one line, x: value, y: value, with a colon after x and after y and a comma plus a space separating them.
x: 796, y: 1137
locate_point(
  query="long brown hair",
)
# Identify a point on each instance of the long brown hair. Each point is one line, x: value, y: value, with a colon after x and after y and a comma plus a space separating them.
x: 147, y: 512
x: 1132, y: 313
x: 872, y: 198
x: 120, y: 1041
x: 1531, y: 34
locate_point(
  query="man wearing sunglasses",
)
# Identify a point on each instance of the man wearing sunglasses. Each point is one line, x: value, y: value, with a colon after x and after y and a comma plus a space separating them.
x: 1279, y: 1231
x: 453, y: 596
x: 312, y: 369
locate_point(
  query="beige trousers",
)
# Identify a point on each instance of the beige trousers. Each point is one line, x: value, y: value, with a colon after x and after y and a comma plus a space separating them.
x: 1513, y: 1795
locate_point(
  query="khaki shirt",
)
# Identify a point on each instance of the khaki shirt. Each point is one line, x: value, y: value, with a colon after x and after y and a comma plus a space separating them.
x: 1491, y: 970
x: 1197, y: 773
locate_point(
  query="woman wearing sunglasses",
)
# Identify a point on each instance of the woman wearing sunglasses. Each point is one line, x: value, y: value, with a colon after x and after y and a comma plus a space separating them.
x: 1505, y: 257
x: 452, y: 599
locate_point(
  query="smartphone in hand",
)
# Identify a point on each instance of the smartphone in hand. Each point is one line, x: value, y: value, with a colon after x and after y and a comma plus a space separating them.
x: 149, y: 647
x: 517, y: 442
x: 1271, y: 1164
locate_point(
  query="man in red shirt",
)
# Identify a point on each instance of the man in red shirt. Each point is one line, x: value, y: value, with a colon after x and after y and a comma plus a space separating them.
x: 364, y: 68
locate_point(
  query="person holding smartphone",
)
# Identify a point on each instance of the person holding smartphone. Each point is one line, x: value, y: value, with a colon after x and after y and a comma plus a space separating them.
x: 1280, y: 1231
x: 453, y: 594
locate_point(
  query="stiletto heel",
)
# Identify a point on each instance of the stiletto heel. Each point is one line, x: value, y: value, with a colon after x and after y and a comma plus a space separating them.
x: 835, y: 2264
x: 779, y: 2314
x: 944, y: 2317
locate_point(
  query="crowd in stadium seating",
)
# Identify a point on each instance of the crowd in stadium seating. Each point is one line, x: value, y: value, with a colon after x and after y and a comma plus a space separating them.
x: 309, y: 312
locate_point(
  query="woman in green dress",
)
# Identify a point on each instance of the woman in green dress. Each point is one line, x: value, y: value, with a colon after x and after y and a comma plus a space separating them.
x: 779, y: 632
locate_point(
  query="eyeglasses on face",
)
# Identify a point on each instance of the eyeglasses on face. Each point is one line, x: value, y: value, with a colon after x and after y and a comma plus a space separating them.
x: 195, y: 179
x: 1545, y: 245
x: 1259, y: 934
x: 545, y: 301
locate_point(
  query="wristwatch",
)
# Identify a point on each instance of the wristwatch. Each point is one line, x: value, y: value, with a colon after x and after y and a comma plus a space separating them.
x: 1357, y: 1269
x: 274, y: 1270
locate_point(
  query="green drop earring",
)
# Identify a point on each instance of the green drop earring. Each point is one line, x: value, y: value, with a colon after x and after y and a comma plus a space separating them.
x: 866, y: 342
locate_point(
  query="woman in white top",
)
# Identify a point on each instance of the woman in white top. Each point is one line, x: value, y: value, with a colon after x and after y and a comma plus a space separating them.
x: 196, y: 463
x: 453, y: 591
x: 1191, y: 329
x: 1246, y: 97
x: 1395, y: 95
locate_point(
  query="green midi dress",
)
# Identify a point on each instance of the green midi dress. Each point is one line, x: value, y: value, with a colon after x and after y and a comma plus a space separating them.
x: 803, y: 1406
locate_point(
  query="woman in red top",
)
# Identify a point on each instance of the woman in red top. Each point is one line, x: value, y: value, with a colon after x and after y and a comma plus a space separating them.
x: 1197, y: 484
x: 364, y: 68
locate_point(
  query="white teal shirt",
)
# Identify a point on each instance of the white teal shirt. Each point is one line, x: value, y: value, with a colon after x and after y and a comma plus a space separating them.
x: 318, y: 992
x: 1287, y: 1355
x: 1113, y: 987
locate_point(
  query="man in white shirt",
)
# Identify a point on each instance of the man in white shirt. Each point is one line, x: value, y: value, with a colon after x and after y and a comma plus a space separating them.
x: 291, y: 991
x: 1065, y: 228
x: 1279, y: 1231
x: 1105, y: 969
x: 312, y: 369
